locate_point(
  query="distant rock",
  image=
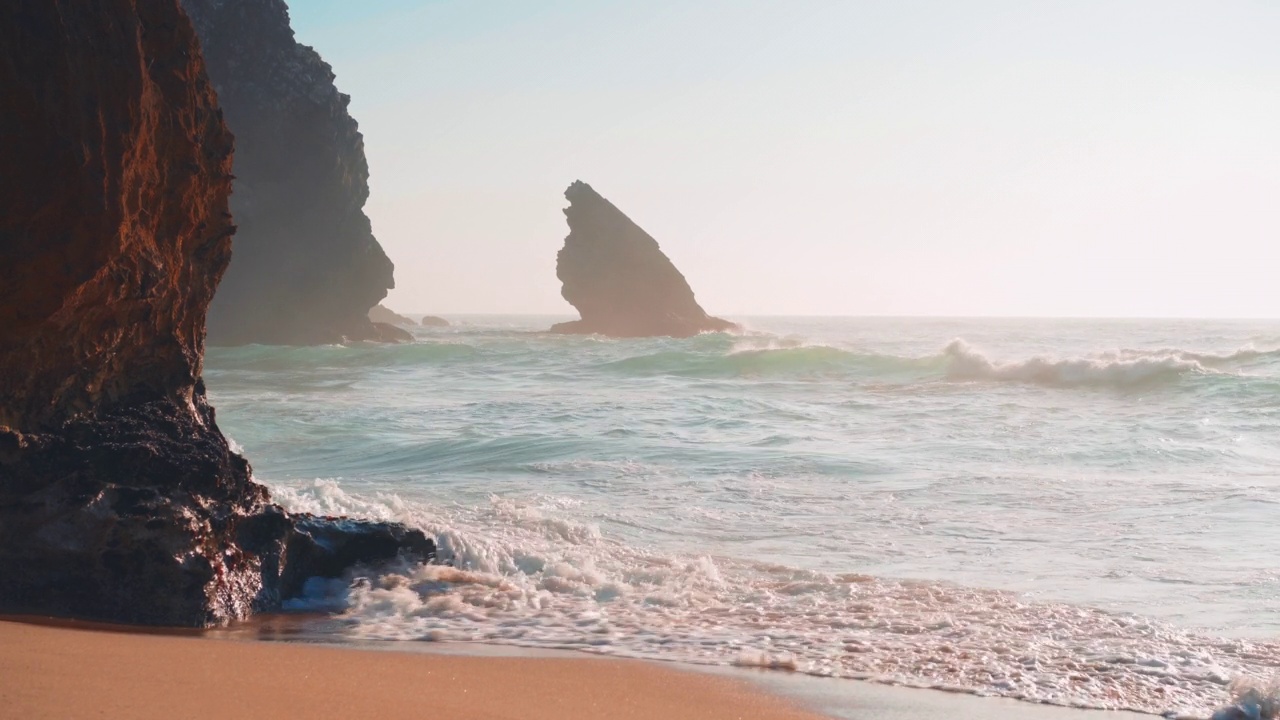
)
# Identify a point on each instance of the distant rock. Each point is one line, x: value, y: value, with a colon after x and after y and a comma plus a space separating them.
x: 383, y: 314
x: 433, y: 321
x: 619, y: 280
x: 306, y: 267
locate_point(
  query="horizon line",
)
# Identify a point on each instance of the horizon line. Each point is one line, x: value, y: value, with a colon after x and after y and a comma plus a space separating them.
x: 885, y: 317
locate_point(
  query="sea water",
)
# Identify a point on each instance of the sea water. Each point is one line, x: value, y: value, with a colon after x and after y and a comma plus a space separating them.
x: 1078, y: 512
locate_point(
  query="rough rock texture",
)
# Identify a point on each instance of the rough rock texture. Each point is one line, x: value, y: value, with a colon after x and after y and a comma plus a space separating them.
x: 328, y: 546
x: 619, y: 280
x: 306, y: 267
x: 383, y: 314
x: 119, y: 498
x: 114, y: 173
x: 433, y: 321
x: 142, y: 514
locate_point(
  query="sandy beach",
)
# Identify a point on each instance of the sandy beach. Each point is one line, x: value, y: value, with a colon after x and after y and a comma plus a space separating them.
x: 83, y: 671
x: 66, y: 673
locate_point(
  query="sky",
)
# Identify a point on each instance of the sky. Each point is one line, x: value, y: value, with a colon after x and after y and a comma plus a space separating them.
x: 1086, y: 158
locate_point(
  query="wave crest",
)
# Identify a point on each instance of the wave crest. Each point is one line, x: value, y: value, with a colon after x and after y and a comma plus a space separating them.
x: 1134, y: 369
x: 958, y: 361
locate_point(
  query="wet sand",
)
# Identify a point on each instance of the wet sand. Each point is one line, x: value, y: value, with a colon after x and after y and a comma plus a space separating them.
x: 70, y: 673
x: 87, y: 671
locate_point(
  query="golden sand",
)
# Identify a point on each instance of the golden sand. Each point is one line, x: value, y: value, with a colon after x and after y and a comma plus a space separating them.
x: 68, y: 673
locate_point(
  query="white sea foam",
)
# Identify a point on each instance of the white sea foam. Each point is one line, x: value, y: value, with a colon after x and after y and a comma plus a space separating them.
x: 519, y: 575
x: 639, y: 483
x: 1124, y: 369
x: 766, y: 355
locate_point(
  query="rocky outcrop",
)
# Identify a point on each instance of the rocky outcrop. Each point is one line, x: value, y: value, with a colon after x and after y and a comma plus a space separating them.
x: 387, y: 333
x: 622, y: 284
x: 383, y: 314
x: 306, y: 267
x: 120, y: 499
x: 113, y: 208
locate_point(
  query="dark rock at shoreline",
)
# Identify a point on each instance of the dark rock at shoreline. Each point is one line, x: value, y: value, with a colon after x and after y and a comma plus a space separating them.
x: 144, y: 515
x: 120, y: 499
x: 622, y: 284
x: 383, y: 314
x: 329, y: 546
x: 306, y: 268
x: 433, y: 321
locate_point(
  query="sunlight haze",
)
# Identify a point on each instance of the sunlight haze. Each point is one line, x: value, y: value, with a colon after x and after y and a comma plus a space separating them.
x: 827, y: 158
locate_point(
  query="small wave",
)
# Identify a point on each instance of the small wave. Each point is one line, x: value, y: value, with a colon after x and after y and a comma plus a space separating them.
x: 269, y: 358
x: 1254, y: 700
x: 1242, y: 356
x: 958, y: 361
x: 1134, y: 369
x: 769, y: 360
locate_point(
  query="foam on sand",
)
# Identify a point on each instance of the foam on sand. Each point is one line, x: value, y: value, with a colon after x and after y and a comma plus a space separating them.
x: 521, y: 577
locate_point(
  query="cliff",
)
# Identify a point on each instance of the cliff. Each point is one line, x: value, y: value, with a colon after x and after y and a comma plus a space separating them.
x: 618, y: 278
x: 119, y: 497
x: 306, y: 268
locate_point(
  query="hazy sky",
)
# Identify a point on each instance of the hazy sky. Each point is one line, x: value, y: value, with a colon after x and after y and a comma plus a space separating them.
x: 1117, y: 157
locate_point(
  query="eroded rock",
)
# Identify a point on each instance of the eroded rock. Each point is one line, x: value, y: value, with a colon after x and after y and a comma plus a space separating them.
x: 618, y: 278
x: 120, y: 499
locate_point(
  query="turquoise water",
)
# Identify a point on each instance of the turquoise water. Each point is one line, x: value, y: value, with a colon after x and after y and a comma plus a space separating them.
x: 1071, y: 511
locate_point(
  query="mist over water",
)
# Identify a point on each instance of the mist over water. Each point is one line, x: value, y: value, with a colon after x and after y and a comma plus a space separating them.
x: 1072, y: 511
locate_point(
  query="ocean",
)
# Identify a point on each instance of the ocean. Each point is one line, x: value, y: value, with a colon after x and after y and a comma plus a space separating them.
x: 1079, y: 512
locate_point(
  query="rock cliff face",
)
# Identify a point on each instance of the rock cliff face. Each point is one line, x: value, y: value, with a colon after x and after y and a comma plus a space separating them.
x: 619, y: 280
x: 113, y: 208
x: 119, y: 497
x: 306, y: 267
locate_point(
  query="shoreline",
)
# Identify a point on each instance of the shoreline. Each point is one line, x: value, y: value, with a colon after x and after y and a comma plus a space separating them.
x: 55, y: 668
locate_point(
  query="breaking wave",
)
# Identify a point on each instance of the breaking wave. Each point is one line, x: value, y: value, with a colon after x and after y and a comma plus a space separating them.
x: 519, y: 575
x: 703, y: 499
x: 1123, y: 370
x: 958, y: 361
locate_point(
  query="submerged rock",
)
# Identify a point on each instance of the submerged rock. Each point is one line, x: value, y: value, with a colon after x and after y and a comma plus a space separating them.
x: 383, y: 314
x: 618, y: 278
x: 329, y: 546
x: 307, y: 267
x: 433, y: 321
x: 120, y: 499
x: 388, y: 333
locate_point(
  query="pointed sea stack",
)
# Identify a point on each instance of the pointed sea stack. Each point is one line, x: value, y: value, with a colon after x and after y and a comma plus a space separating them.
x: 306, y: 268
x: 120, y: 499
x: 619, y: 280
